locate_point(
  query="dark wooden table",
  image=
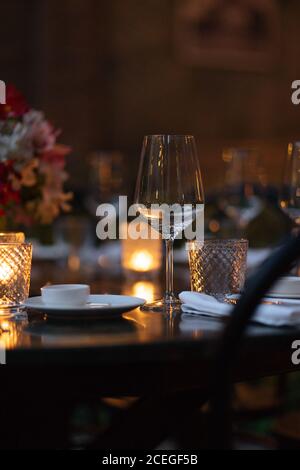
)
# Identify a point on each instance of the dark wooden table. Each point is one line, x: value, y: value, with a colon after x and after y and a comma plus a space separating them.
x: 51, y: 366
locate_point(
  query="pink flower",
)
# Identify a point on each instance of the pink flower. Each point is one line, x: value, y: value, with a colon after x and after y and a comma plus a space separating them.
x: 40, y: 132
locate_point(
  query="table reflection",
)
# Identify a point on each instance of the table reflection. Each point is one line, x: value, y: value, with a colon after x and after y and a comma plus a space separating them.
x: 144, y: 289
x: 11, y: 332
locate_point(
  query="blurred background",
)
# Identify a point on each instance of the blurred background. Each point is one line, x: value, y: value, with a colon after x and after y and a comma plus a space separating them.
x: 110, y: 72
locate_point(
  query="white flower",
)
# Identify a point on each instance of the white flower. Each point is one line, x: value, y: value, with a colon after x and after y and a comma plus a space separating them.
x: 40, y: 132
x: 13, y: 142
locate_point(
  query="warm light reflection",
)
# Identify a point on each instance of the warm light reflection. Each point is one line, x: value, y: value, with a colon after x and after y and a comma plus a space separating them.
x: 74, y: 262
x: 283, y: 204
x: 6, y: 271
x: 4, y: 325
x: 141, y: 261
x: 145, y: 290
x: 10, y: 332
x: 214, y: 226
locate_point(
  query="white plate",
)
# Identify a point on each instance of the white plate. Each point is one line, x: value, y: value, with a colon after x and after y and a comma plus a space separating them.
x: 273, y: 295
x: 275, y: 298
x: 288, y: 287
x: 99, y: 306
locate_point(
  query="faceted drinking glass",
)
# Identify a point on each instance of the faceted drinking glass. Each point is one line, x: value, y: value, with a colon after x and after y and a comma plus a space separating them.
x: 218, y: 267
x: 15, y: 268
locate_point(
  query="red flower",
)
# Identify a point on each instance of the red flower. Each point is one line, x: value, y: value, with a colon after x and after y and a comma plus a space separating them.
x: 16, y: 104
x: 8, y: 194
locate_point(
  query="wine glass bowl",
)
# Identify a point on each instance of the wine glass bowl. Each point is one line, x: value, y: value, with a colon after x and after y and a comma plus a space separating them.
x: 240, y: 200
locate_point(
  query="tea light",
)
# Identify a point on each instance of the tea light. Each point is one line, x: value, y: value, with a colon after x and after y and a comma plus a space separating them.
x: 15, y: 266
x: 6, y: 271
x: 141, y: 260
x: 141, y: 256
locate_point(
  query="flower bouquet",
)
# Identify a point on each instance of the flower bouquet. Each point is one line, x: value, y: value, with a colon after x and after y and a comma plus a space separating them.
x: 32, y: 166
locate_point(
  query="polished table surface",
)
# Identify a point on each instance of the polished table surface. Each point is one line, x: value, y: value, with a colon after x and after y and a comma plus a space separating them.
x: 175, y: 352
x: 164, y: 363
x: 141, y: 350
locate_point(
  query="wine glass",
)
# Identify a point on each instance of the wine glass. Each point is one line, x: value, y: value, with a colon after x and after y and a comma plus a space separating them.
x: 169, y: 175
x: 289, y: 198
x: 240, y: 201
x: 290, y: 194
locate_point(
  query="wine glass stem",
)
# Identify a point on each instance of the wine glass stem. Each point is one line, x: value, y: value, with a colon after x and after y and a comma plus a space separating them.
x: 169, y: 270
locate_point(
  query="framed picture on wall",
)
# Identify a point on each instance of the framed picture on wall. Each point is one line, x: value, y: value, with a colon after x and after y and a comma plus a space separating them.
x: 228, y: 34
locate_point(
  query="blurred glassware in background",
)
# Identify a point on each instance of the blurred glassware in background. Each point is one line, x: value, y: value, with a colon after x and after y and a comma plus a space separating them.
x: 289, y: 199
x: 242, y: 200
x: 105, y: 179
x: 76, y: 233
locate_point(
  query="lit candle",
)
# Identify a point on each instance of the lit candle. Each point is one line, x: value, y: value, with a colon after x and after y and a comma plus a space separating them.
x: 15, y: 267
x: 142, y: 261
x: 141, y: 255
x: 6, y: 272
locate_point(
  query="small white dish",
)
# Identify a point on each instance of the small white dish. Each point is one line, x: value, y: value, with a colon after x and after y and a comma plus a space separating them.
x: 66, y: 295
x: 97, y: 307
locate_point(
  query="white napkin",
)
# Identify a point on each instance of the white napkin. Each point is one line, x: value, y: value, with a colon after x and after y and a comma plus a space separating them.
x: 277, y: 314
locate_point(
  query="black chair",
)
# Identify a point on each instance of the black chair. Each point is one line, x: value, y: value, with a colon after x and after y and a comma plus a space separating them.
x: 220, y: 424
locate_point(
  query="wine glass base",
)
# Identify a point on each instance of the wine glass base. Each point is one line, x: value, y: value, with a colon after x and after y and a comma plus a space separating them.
x: 163, y: 306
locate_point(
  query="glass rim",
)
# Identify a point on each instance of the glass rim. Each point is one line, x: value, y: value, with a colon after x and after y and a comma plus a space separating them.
x: 196, y: 244
x: 11, y: 233
x: 190, y: 136
x: 15, y: 244
x: 241, y: 149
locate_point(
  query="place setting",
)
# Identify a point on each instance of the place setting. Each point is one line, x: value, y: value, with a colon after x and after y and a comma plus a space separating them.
x: 74, y: 302
x: 169, y: 205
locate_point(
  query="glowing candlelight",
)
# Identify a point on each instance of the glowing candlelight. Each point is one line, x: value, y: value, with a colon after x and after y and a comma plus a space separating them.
x: 15, y: 266
x: 141, y: 255
x: 141, y: 261
x: 145, y: 290
x: 6, y: 272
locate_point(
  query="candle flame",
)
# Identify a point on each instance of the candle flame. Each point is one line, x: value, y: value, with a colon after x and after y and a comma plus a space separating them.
x: 6, y: 272
x: 141, y: 261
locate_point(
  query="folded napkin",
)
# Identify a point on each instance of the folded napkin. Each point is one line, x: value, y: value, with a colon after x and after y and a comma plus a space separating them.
x: 279, y: 313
